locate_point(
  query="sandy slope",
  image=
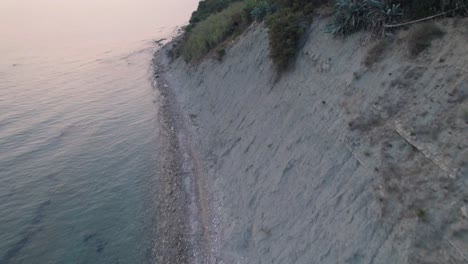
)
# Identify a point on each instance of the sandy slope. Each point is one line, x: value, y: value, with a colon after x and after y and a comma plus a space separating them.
x: 333, y: 162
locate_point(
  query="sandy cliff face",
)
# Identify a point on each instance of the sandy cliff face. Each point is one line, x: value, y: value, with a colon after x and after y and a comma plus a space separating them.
x: 334, y: 162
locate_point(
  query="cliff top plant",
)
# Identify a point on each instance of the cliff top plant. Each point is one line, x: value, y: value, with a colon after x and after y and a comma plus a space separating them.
x: 286, y: 27
x: 352, y: 16
x: 355, y: 15
x: 261, y: 10
x: 207, y: 8
x: 215, y: 29
x: 284, y: 34
x: 216, y: 21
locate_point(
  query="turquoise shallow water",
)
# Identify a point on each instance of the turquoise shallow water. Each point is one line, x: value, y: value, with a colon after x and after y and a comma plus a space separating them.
x: 78, y: 128
x: 78, y: 160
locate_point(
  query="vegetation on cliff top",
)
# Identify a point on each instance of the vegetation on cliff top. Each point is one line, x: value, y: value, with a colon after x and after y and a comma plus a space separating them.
x: 216, y: 21
x: 211, y: 32
x: 377, y: 15
x: 286, y: 28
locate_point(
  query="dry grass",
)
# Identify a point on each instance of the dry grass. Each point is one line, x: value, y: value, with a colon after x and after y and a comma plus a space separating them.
x: 421, y: 37
x: 212, y: 31
x: 376, y: 52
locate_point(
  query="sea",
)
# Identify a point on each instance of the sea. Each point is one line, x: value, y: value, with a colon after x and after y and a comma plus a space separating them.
x: 79, y: 131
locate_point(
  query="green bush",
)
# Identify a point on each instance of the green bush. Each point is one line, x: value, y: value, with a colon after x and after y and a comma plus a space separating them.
x: 215, y: 29
x: 207, y: 8
x: 355, y: 15
x: 260, y: 10
x: 352, y: 16
x: 286, y: 27
x: 284, y: 34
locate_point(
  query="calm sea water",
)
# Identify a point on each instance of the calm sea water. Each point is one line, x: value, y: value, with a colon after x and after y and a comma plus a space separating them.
x: 78, y: 128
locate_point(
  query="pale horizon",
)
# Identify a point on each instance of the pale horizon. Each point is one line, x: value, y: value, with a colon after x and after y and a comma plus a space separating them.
x: 50, y: 25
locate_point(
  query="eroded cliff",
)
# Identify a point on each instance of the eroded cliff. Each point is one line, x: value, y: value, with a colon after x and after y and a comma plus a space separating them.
x: 333, y: 162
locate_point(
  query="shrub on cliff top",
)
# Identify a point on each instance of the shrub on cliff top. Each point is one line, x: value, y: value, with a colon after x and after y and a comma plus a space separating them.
x: 215, y: 29
x: 261, y: 9
x: 207, y: 8
x: 284, y: 34
x: 354, y: 15
x: 287, y: 26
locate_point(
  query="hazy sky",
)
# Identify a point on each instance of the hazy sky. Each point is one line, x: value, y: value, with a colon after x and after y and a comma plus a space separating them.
x: 53, y: 24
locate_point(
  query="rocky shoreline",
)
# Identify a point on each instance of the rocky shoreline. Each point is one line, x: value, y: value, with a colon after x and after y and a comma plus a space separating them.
x: 183, y: 212
x: 172, y: 206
